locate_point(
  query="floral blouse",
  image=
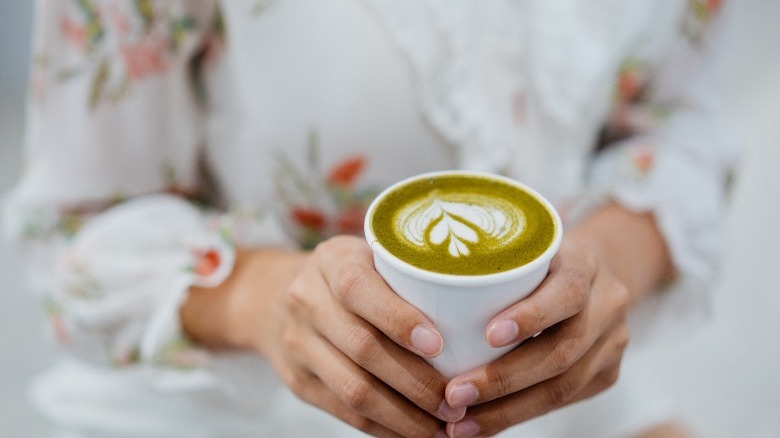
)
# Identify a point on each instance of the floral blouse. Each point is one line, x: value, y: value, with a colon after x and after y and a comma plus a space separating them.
x: 164, y: 134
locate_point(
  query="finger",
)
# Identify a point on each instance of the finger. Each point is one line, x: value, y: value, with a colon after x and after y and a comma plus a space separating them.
x: 407, y: 373
x: 545, y: 356
x: 563, y: 293
x: 372, y: 350
x: 347, y: 267
x: 364, y: 394
x: 594, y: 373
x: 599, y: 384
x: 311, y: 390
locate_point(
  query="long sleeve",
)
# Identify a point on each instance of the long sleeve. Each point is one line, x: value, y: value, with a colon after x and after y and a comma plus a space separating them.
x: 104, y: 208
x: 666, y: 150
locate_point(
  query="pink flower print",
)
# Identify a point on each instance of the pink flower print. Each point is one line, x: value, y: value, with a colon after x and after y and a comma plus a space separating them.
x: 322, y: 203
x: 346, y: 172
x: 628, y: 85
x: 207, y: 263
x: 705, y: 10
x: 145, y: 58
x: 59, y: 330
x: 74, y: 33
x: 619, y: 124
x: 212, y: 48
x: 350, y: 220
x: 120, y: 22
x: 643, y: 159
x: 714, y: 5
x: 700, y: 16
x: 215, y: 42
x: 309, y: 218
x: 631, y: 80
x: 53, y: 313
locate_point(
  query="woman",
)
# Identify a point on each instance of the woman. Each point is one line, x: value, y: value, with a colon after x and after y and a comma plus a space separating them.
x: 185, y: 157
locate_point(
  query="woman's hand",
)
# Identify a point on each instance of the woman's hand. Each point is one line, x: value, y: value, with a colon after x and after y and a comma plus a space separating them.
x: 335, y: 333
x: 580, y: 310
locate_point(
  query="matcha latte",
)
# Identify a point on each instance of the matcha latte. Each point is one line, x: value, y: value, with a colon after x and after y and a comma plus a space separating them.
x: 461, y: 247
x: 462, y: 223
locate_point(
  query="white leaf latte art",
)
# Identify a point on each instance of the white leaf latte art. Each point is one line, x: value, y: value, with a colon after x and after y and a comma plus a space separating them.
x: 460, y: 220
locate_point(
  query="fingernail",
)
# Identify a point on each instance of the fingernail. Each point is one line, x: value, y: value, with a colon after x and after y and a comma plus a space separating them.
x: 463, y: 395
x: 464, y: 429
x: 427, y: 341
x: 502, y: 333
x: 450, y: 414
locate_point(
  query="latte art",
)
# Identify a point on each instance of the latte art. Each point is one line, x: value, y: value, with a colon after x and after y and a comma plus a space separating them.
x: 460, y: 221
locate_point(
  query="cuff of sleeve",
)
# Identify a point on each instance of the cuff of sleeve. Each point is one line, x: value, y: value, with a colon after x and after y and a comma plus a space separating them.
x: 172, y: 360
x: 686, y: 200
x: 124, y: 276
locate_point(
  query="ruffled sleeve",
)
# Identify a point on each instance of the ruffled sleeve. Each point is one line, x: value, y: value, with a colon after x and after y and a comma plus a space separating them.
x: 105, y: 209
x: 666, y: 150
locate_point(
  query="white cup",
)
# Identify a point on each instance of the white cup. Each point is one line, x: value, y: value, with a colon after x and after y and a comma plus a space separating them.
x: 461, y: 305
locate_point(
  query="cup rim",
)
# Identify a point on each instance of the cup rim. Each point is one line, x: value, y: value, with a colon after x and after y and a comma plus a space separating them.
x: 456, y: 279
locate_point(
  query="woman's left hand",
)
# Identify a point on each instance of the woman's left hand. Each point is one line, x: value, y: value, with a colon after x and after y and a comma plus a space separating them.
x: 605, y: 265
x: 580, y: 310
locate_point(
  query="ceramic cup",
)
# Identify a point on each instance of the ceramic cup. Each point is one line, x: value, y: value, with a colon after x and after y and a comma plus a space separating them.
x: 462, y: 305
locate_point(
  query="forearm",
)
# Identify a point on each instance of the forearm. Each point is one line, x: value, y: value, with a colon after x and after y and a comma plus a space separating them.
x: 630, y: 245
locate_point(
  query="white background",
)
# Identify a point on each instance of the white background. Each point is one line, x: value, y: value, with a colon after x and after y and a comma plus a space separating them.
x: 726, y: 377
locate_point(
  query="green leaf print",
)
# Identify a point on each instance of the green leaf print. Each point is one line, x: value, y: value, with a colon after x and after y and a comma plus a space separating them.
x: 93, y: 28
x: 179, y: 29
x: 98, y: 84
x: 146, y: 11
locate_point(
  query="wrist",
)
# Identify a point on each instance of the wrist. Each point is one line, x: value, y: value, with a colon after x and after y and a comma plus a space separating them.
x: 239, y: 313
x: 258, y: 297
x: 628, y: 245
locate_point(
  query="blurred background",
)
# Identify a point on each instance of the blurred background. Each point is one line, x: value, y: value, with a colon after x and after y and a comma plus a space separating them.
x: 725, y: 377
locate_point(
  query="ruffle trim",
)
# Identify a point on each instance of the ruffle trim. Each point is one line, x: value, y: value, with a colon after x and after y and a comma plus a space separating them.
x: 688, y: 215
x: 122, y: 278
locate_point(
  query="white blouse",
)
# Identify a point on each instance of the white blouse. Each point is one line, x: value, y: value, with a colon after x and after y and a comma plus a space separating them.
x: 162, y: 135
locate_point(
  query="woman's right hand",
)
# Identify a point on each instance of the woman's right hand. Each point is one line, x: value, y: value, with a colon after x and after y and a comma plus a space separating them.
x: 335, y: 332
